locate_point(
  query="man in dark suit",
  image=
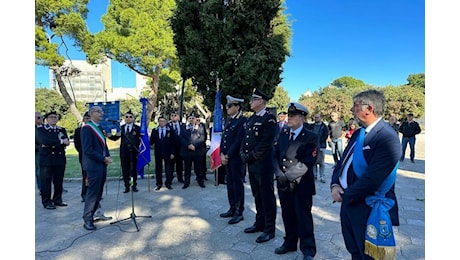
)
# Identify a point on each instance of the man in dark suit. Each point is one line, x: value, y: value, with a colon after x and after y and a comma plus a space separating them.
x: 257, y: 151
x: 162, y: 138
x: 351, y: 184
x: 52, y: 139
x: 295, y: 156
x: 192, y: 149
x: 129, y: 150
x: 230, y: 144
x: 95, y: 159
x: 177, y: 163
x: 77, y: 144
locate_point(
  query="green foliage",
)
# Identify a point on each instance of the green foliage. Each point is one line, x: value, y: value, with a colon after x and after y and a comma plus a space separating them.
x: 241, y: 44
x: 136, y: 33
x: 399, y: 100
x: 53, y: 20
x: 47, y: 100
x: 280, y: 99
x: 417, y: 81
x: 347, y: 83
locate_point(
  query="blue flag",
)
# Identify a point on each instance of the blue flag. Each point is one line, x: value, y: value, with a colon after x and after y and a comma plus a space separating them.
x: 144, y: 148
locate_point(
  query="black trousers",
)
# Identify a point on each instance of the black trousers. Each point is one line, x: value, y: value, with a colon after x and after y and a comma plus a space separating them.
x: 129, y: 169
x: 177, y: 164
x: 96, y: 181
x: 353, y: 220
x: 235, y: 185
x: 262, y: 188
x: 159, y: 162
x: 197, y: 160
x: 298, y: 220
x: 51, y: 175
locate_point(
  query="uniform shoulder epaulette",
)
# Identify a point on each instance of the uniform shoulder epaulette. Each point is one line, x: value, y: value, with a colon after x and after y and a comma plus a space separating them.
x: 46, y: 126
x: 39, y: 126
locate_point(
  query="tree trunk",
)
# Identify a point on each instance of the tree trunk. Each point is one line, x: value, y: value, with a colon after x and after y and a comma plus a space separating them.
x: 65, y: 94
x: 152, y: 99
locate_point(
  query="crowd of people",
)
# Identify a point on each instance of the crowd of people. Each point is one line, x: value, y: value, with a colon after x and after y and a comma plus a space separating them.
x: 286, y: 151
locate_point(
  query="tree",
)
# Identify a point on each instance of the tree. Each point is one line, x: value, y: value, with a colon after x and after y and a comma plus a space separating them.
x: 280, y: 99
x: 242, y: 44
x: 47, y: 100
x: 417, y: 81
x: 54, y: 20
x: 138, y: 34
x: 348, y: 82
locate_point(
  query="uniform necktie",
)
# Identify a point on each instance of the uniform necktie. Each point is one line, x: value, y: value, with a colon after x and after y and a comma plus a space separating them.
x: 175, y: 129
x: 162, y: 133
x: 128, y: 129
x: 291, y: 139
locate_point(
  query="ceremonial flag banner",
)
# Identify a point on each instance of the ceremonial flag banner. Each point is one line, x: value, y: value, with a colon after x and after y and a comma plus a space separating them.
x: 144, y: 149
x: 214, y: 151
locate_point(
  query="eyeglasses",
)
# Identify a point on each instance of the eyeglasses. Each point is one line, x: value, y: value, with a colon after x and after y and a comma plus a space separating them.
x: 230, y: 105
x: 128, y: 116
x: 99, y: 111
x: 255, y: 98
x: 39, y: 117
x: 174, y: 115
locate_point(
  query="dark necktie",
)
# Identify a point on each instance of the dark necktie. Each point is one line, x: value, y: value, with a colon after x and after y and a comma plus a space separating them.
x: 128, y: 129
x: 291, y: 139
x: 175, y: 129
x: 162, y: 134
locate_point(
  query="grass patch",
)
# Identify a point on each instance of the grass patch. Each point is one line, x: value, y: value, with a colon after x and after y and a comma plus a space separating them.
x: 73, y: 168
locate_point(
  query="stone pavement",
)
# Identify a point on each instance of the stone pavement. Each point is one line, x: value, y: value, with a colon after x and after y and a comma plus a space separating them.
x: 185, y: 224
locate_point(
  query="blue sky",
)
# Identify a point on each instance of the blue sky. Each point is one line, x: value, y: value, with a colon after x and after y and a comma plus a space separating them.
x: 378, y: 42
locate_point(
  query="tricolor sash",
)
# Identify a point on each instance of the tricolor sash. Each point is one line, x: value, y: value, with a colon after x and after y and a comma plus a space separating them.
x: 97, y: 131
x: 380, y: 241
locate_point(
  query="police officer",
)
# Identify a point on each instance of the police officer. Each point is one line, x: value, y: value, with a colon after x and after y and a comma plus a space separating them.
x: 257, y: 152
x: 230, y: 156
x: 295, y: 158
x: 53, y: 139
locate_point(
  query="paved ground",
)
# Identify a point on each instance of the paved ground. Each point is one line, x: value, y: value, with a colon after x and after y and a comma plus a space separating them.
x: 185, y: 224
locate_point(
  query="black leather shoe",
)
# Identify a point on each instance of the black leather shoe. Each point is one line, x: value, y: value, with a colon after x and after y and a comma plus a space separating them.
x: 235, y: 219
x: 135, y: 189
x: 50, y: 206
x: 89, y: 225
x: 283, y: 250
x: 185, y: 186
x: 158, y: 187
x: 169, y: 187
x: 201, y: 184
x: 82, y: 199
x: 264, y: 237
x: 60, y: 204
x: 126, y: 190
x: 181, y: 181
x: 307, y: 257
x: 253, y: 229
x: 227, y: 214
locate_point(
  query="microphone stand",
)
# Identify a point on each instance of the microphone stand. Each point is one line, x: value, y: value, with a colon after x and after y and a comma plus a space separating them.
x: 133, y: 214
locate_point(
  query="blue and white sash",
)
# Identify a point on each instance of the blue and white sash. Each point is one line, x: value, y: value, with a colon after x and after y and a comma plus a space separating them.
x: 380, y: 241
